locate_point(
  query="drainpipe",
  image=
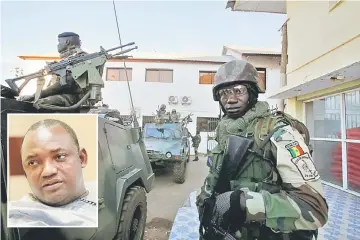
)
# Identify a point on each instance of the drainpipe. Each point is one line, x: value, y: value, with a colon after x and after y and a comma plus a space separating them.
x: 284, y: 61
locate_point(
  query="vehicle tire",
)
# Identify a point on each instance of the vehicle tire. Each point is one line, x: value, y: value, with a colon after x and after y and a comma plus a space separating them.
x: 179, y: 172
x: 133, y: 215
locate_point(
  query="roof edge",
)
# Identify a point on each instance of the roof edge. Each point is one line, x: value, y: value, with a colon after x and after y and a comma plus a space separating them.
x: 253, y: 52
x: 230, y: 4
x: 234, y: 4
x: 159, y: 60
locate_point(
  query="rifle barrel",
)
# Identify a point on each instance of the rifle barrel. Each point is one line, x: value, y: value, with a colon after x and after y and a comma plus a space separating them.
x: 124, y: 51
x: 121, y: 46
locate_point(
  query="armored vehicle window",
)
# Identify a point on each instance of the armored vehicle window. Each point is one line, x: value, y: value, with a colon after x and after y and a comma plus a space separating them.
x: 158, y: 133
x: 118, y: 74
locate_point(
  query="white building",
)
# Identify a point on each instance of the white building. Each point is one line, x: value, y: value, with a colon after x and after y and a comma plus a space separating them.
x: 171, y: 80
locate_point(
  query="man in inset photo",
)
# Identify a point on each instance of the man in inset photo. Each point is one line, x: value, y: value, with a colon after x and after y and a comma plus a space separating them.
x: 53, y: 161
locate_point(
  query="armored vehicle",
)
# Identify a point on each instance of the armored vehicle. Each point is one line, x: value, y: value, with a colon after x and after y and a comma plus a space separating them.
x: 168, y: 145
x: 124, y: 170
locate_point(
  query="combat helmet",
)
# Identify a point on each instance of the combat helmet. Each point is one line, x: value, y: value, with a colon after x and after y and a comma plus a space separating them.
x: 162, y: 106
x: 235, y: 71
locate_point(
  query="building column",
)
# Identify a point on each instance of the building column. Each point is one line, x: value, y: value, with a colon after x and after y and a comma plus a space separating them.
x: 284, y: 61
x: 295, y: 108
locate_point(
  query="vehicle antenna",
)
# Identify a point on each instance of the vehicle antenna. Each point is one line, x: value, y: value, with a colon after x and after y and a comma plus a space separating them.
x: 136, y: 123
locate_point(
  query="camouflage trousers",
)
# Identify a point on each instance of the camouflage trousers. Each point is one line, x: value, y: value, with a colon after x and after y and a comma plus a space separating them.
x: 64, y: 100
x: 196, y: 152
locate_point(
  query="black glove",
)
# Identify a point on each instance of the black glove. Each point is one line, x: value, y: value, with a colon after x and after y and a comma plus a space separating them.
x: 227, y: 211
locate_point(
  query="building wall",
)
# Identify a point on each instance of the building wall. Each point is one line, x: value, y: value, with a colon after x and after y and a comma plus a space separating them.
x: 147, y: 96
x: 321, y: 40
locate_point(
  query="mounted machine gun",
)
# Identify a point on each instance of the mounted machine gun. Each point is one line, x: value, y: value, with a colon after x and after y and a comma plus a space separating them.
x: 85, y: 69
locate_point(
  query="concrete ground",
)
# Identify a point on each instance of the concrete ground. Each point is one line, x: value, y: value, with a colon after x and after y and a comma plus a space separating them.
x: 167, y: 197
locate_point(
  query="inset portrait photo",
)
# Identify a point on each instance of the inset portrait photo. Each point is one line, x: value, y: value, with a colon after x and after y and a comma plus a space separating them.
x: 52, y: 170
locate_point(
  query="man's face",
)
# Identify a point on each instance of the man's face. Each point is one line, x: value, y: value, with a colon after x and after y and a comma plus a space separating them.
x: 53, y: 165
x: 234, y: 99
x: 63, y: 44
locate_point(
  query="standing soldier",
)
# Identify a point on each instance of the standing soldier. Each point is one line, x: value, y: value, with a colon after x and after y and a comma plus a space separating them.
x: 174, y: 116
x: 273, y: 195
x: 162, y: 110
x: 196, y: 142
x: 60, y: 93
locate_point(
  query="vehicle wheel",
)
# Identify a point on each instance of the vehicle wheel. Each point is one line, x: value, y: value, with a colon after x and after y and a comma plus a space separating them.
x: 133, y: 215
x: 179, y: 172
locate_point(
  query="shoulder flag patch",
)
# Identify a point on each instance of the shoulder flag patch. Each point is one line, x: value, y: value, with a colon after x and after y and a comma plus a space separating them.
x: 294, y: 149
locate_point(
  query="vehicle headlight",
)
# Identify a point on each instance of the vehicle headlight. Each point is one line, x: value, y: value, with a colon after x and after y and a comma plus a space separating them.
x: 168, y: 155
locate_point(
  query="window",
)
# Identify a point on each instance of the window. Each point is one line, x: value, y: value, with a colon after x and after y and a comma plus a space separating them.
x: 207, y: 77
x: 118, y: 74
x: 262, y: 78
x: 334, y: 126
x: 159, y: 75
x: 206, y: 124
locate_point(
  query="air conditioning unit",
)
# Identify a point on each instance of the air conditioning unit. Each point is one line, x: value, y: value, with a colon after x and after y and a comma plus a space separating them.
x: 186, y: 100
x: 173, y: 100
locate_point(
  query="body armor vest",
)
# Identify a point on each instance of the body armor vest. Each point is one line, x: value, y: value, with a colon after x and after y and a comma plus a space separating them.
x: 259, y: 172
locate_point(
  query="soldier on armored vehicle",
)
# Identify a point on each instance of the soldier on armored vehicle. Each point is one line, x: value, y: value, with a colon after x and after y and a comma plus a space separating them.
x: 62, y: 92
x: 167, y: 143
x: 122, y: 194
x: 174, y: 116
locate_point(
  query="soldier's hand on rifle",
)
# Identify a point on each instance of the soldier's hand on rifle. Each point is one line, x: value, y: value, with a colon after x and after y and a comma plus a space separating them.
x: 228, y: 212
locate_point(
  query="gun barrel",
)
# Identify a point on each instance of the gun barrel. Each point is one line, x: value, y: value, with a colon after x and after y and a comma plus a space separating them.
x: 124, y: 51
x: 121, y: 46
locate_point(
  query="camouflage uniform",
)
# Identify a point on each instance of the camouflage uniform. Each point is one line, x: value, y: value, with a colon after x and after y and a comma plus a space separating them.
x: 162, y: 110
x: 196, y: 142
x: 61, y: 94
x: 161, y: 115
x: 174, y: 116
x: 280, y: 191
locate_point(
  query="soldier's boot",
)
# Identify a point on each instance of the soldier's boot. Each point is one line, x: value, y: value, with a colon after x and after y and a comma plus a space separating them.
x: 196, y: 154
x: 196, y: 157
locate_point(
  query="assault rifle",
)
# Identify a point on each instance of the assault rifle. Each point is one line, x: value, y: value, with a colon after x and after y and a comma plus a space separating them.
x: 233, y: 161
x: 83, y: 68
x: 186, y: 119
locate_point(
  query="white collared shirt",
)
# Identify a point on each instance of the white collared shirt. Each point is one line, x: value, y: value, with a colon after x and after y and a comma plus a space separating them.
x: 29, y: 212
